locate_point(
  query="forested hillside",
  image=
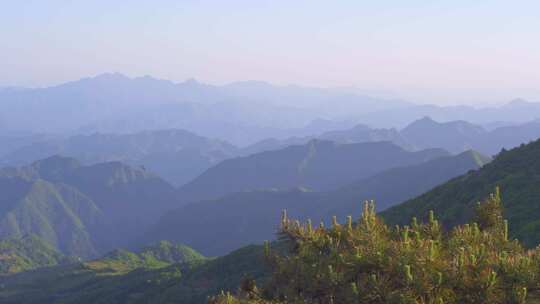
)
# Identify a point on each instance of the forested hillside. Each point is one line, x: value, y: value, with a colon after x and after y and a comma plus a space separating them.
x: 164, y: 273
x: 27, y: 253
x: 514, y: 171
x: 81, y: 210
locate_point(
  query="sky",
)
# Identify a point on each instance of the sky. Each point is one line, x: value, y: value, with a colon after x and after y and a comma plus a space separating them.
x: 445, y: 52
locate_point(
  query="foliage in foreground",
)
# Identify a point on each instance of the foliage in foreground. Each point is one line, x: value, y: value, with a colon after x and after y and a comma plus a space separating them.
x: 141, y: 277
x: 369, y: 262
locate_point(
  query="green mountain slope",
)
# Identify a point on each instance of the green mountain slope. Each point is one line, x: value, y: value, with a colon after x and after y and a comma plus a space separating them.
x: 27, y: 253
x: 218, y: 226
x: 317, y: 165
x: 130, y: 278
x: 160, y: 255
x: 81, y: 210
x: 514, y: 171
x: 59, y: 214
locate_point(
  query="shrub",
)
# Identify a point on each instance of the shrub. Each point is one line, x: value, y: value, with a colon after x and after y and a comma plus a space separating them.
x: 369, y: 262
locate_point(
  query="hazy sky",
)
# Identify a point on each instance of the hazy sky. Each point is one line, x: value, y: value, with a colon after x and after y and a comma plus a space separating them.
x: 443, y: 51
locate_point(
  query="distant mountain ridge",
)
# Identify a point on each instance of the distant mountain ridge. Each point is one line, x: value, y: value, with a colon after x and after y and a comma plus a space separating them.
x: 515, y: 111
x: 457, y: 136
x: 454, y: 136
x: 180, y: 156
x: 317, y: 165
x: 176, y: 155
x: 359, y: 133
x: 117, y: 103
x: 241, y: 113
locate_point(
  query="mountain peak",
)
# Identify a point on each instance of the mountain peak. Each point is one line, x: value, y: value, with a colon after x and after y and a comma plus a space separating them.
x: 425, y: 119
x: 421, y: 123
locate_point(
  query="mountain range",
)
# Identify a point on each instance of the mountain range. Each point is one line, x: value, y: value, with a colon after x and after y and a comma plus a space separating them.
x: 127, y: 277
x: 179, y: 156
x: 116, y: 103
x: 515, y: 111
x: 135, y: 277
x: 218, y: 226
x: 454, y: 136
x: 125, y: 170
x: 176, y: 155
x: 318, y: 165
x: 241, y: 113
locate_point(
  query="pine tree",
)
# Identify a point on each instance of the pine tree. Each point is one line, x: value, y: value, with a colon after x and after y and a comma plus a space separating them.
x: 368, y: 262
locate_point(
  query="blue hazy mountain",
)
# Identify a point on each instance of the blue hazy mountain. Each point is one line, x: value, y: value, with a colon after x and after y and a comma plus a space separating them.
x: 218, y: 226
x: 317, y: 165
x: 241, y: 113
x: 356, y: 134
x: 176, y: 155
x: 454, y: 136
x: 515, y: 111
x: 116, y: 103
x: 458, y: 136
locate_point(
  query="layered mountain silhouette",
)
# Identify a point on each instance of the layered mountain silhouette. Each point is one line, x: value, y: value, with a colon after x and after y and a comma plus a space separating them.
x: 318, y: 165
x: 357, y: 134
x: 81, y: 210
x: 515, y: 111
x: 457, y: 136
x: 116, y: 103
x: 508, y: 137
x: 218, y: 226
x: 176, y: 155
x: 454, y: 136
x: 241, y: 113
